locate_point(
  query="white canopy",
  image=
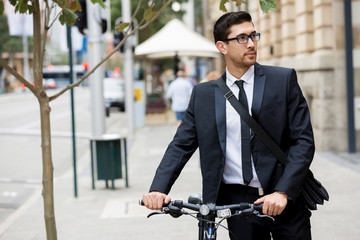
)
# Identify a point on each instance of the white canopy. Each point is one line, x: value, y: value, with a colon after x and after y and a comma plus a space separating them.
x: 175, y: 38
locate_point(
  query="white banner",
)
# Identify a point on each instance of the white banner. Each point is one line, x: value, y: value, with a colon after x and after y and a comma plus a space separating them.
x: 19, y: 24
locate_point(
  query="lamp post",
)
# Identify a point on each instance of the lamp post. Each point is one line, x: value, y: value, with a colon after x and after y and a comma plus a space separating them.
x: 349, y: 77
x: 128, y: 69
x: 96, y: 79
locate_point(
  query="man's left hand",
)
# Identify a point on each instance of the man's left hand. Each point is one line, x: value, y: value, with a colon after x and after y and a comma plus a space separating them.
x: 274, y: 203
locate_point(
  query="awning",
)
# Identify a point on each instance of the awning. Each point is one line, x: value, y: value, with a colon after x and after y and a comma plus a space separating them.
x: 176, y: 39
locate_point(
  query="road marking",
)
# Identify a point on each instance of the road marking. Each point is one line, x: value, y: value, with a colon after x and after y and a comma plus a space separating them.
x: 37, y: 123
x: 19, y: 212
x: 27, y: 181
x: 120, y: 208
x: 33, y: 181
x: 5, y: 180
x: 30, y: 132
x: 10, y: 194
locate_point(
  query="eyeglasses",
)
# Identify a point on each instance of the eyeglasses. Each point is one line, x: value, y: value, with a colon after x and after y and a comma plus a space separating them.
x: 244, y: 38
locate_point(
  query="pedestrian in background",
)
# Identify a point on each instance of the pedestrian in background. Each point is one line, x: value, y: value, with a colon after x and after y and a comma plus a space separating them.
x: 236, y: 166
x: 179, y: 92
x: 211, y: 75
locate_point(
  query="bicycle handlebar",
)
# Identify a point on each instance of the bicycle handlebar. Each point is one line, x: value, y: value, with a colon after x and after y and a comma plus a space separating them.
x: 175, y: 208
x: 196, y: 207
x: 206, y: 213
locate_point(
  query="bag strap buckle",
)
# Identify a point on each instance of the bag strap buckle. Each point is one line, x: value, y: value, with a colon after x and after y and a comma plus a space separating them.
x: 228, y: 95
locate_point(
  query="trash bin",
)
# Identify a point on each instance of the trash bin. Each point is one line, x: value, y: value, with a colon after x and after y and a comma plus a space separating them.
x: 107, y: 155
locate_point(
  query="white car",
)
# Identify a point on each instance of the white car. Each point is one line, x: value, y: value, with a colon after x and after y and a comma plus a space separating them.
x: 114, y: 94
x: 49, y: 83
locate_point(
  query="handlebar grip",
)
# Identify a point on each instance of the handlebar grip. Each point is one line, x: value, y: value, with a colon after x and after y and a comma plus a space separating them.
x: 259, y: 207
x: 141, y: 203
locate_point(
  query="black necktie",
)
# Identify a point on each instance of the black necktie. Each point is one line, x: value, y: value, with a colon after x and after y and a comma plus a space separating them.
x: 245, y: 138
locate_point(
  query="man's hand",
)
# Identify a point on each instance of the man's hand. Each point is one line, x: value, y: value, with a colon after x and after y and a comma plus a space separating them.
x: 155, y: 200
x: 274, y: 203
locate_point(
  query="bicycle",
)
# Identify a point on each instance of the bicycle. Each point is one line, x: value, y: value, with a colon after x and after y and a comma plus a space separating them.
x: 206, y: 214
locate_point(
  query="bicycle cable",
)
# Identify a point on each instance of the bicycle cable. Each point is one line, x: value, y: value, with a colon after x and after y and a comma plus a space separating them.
x: 217, y: 224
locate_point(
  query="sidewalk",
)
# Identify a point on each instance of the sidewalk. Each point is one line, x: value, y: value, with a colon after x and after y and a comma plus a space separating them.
x: 105, y: 214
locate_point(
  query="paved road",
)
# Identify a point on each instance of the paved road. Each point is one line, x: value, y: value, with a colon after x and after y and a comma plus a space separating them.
x: 20, y: 152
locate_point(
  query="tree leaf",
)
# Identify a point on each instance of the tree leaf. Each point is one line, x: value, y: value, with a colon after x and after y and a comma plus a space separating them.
x: 17, y: 7
x: 78, y: 6
x: 61, y: 19
x: 13, y: 2
x: 69, y: 17
x: 61, y: 3
x: 31, y: 9
x: 148, y: 14
x: 1, y: 7
x: 268, y: 5
x: 222, y: 5
x: 121, y: 26
x: 100, y: 2
x: 72, y: 4
x: 23, y: 8
x: 238, y: 2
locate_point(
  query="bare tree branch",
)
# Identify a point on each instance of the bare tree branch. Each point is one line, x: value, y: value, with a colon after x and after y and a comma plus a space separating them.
x: 137, y: 9
x: 38, y: 45
x: 55, y: 19
x: 48, y: 10
x: 155, y: 16
x: 70, y: 86
x: 27, y: 84
x: 129, y: 32
x: 46, y: 14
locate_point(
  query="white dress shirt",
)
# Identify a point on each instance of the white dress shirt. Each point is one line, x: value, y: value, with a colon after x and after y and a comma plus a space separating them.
x: 233, y: 163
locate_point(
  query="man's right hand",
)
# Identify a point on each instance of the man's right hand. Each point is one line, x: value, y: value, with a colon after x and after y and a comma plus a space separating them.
x: 155, y: 200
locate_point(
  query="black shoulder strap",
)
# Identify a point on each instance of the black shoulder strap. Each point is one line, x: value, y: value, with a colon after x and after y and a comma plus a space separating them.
x: 244, y: 114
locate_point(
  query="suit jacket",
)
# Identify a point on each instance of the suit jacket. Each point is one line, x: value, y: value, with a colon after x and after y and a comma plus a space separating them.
x: 278, y: 106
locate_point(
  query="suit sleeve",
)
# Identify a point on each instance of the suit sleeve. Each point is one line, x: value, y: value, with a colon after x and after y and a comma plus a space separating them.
x: 178, y: 152
x: 301, y: 141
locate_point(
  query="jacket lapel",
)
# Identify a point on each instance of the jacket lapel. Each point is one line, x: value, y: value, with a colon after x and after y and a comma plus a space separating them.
x: 220, y: 116
x: 259, y: 86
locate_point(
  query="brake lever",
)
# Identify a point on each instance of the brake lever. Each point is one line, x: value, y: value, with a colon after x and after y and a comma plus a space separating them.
x: 266, y: 216
x: 252, y: 212
x: 248, y: 212
x: 155, y: 213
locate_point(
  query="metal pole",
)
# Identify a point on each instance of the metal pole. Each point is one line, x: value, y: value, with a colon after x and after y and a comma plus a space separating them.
x: 71, y: 77
x: 128, y: 69
x: 126, y: 165
x: 206, y: 17
x: 96, y: 79
x: 349, y: 77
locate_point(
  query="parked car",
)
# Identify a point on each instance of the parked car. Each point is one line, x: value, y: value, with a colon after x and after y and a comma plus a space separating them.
x: 114, y: 94
x: 49, y: 83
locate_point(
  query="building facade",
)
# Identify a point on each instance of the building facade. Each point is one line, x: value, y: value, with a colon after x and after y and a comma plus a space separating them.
x: 309, y: 35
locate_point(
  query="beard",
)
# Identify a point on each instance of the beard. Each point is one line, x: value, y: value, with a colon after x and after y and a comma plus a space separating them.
x: 245, y: 61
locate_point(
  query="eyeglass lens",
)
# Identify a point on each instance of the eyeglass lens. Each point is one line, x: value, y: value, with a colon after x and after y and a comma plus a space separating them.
x: 243, y: 38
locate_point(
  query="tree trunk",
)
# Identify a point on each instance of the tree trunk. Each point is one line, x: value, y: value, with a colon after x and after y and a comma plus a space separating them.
x: 48, y: 169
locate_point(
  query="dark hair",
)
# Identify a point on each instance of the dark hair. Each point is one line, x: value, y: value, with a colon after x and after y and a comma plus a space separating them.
x: 223, y: 24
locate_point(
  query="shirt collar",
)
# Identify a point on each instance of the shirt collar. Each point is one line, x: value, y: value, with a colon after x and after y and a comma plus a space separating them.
x: 248, y: 77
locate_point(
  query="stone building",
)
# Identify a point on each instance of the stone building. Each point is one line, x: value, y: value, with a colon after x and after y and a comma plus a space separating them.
x: 309, y: 35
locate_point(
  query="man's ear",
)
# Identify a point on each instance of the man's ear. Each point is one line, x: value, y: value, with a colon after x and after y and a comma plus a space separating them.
x: 221, y: 46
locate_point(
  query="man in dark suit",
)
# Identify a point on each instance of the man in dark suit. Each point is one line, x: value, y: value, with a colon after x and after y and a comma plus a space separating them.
x: 230, y: 175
